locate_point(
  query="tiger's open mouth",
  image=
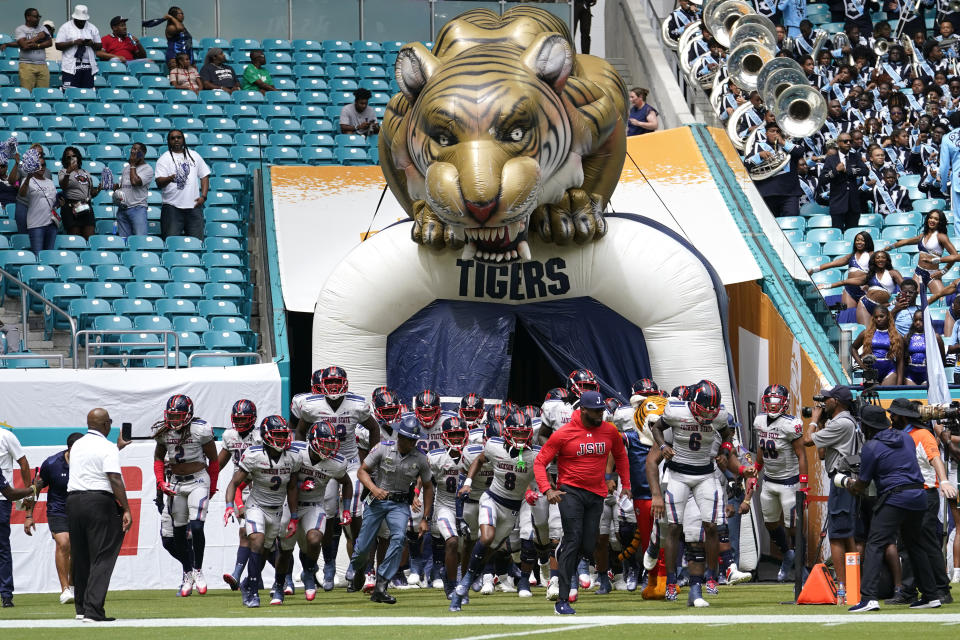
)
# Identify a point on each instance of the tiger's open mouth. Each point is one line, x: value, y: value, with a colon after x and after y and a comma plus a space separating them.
x: 497, y: 244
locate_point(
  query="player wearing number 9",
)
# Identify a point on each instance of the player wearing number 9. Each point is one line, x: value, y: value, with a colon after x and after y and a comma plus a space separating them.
x: 186, y: 444
x: 781, y: 458
x: 696, y: 425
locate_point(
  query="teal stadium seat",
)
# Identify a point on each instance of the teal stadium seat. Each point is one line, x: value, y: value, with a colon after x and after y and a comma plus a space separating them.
x: 836, y: 248
x: 131, y: 306
x: 176, y: 307
x: 823, y: 235
x: 151, y: 274
x: 819, y: 222
x: 145, y: 290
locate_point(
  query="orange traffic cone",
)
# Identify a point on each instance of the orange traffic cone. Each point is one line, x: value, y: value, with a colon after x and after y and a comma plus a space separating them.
x: 819, y: 587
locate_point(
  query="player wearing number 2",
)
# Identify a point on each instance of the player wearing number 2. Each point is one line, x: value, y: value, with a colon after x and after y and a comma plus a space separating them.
x: 781, y: 458
x: 511, y: 457
x: 183, y: 442
x: 445, y: 468
x: 330, y: 401
x: 696, y: 425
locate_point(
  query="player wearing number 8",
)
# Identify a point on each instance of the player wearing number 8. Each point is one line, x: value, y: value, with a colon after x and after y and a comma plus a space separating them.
x: 781, y: 459
x: 184, y: 442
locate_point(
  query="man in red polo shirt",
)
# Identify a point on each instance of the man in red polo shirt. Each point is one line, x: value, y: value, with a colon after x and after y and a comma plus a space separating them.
x: 581, y: 448
x: 119, y: 44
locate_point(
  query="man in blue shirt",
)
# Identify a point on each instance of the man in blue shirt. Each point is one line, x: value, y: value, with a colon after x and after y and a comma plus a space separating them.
x: 53, y: 475
x: 889, y: 460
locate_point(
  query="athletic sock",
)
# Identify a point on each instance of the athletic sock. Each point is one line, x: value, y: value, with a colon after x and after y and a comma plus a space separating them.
x: 671, y: 578
x: 726, y: 557
x: 254, y: 568
x: 243, y: 554
x: 779, y: 537
x: 199, y: 542
x: 476, y: 558
x: 183, y: 554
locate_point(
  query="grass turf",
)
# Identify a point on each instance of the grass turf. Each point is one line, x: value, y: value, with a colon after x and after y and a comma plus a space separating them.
x: 756, y: 600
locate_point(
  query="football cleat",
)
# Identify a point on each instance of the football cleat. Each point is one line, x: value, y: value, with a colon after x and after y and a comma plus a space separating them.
x: 329, y: 572
x: 276, y: 594
x: 199, y: 582
x: 250, y: 595
x: 437, y: 583
x: 605, y: 586
x: 231, y: 581
x: 712, y: 588
x: 309, y: 585
x: 620, y: 581
x: 553, y: 588
x: 369, y: 582
x: 506, y: 584
x: 784, y: 573
x: 456, y: 600
x: 476, y: 585
x: 631, y: 579
x: 671, y: 593
x: 288, y: 588
x: 523, y: 588
x: 573, y: 595
x: 413, y: 580
x: 695, y: 599
x: 735, y: 576
x: 563, y: 608
x: 487, y: 587
x: 186, y: 587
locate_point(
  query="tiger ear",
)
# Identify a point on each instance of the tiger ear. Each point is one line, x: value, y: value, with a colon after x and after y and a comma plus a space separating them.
x: 415, y: 65
x: 551, y: 58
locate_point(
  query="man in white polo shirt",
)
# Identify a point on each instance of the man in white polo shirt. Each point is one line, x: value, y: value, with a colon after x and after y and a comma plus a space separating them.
x: 11, y: 456
x: 97, y: 515
x: 184, y: 179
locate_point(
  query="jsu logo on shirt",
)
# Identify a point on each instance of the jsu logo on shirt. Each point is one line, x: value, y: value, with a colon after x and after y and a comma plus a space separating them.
x: 592, y: 448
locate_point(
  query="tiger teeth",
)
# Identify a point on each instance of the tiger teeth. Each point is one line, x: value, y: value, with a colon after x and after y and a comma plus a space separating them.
x: 514, y: 229
x: 500, y: 257
x: 469, y: 251
x: 524, y: 250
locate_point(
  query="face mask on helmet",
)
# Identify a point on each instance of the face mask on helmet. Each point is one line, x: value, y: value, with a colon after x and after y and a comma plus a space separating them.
x: 705, y: 402
x: 427, y: 408
x: 471, y: 408
x: 386, y: 407
x: 612, y: 405
x: 454, y: 434
x: 774, y: 400
x: 517, y: 432
x: 645, y: 387
x: 275, y: 433
x: 323, y: 439
x: 178, y: 412
x: 581, y: 380
x: 333, y: 382
x: 243, y: 416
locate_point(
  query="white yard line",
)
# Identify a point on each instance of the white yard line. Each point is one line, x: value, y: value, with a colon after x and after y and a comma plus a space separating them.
x: 516, y: 621
x: 565, y: 627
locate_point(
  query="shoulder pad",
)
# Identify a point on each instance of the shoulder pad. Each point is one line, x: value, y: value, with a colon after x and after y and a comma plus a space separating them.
x: 788, y: 416
x: 356, y: 396
x: 677, y: 403
x: 254, y: 448
x: 299, y: 396
x: 338, y: 458
x: 315, y: 396
x: 298, y: 445
x: 474, y: 448
x: 495, y: 440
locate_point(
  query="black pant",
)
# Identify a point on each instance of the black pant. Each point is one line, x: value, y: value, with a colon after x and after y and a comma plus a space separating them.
x: 783, y: 205
x: 96, y: 532
x: 886, y: 523
x: 848, y: 219
x: 181, y: 222
x: 582, y: 18
x: 580, y: 517
x: 931, y: 529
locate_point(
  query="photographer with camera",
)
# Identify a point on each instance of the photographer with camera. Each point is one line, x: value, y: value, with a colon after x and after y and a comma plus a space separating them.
x: 833, y: 430
x: 889, y: 460
x: 905, y: 417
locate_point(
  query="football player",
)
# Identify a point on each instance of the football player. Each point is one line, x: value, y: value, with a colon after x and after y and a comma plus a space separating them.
x: 691, y: 470
x: 512, y: 458
x: 428, y: 412
x: 470, y: 524
x: 236, y: 440
x: 330, y: 401
x: 319, y: 464
x: 445, y: 468
x: 271, y: 469
x: 187, y: 444
x: 471, y: 410
x: 781, y: 458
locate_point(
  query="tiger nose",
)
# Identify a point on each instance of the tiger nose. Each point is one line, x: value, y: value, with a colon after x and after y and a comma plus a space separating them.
x: 481, y: 212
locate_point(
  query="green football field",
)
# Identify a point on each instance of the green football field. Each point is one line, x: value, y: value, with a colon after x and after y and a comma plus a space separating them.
x: 740, y: 611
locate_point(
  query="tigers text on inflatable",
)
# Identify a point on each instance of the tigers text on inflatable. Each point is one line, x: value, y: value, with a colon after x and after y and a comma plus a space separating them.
x: 501, y: 129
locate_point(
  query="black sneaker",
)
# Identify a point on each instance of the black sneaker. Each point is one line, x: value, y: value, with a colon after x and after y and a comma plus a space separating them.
x: 7, y: 602
x: 900, y: 597
x: 923, y: 603
x: 945, y: 597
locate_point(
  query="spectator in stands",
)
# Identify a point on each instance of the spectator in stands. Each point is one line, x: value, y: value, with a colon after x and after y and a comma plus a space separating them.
x: 184, y: 75
x: 841, y: 171
x: 582, y: 19
x: 359, y: 117
x: 807, y: 179
x: 881, y: 340
x: 216, y: 74
x: 888, y: 196
x: 79, y: 192
x: 932, y: 242
x: 642, y: 117
x: 20, y: 213
x: 950, y: 324
x: 793, y: 11
x: 79, y: 40
x: 53, y: 54
x: 130, y: 196
x: 32, y: 40
x: 912, y: 368
x: 179, y: 39
x: 255, y: 75
x: 41, y: 218
x: 9, y: 181
x: 120, y: 44
x: 904, y: 305
x: 858, y: 262
x: 781, y: 191
x: 184, y: 178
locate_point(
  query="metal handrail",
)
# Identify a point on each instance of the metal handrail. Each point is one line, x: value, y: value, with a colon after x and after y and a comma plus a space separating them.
x: 32, y: 356
x: 128, y: 356
x: 224, y: 354
x: 24, y: 307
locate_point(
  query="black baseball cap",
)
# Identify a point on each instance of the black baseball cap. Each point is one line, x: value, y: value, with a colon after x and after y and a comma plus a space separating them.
x: 117, y: 20
x: 840, y: 393
x: 591, y: 400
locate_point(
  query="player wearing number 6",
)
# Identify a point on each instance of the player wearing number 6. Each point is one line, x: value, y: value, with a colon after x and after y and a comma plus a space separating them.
x: 183, y: 442
x: 781, y: 458
x: 697, y: 426
x: 511, y: 457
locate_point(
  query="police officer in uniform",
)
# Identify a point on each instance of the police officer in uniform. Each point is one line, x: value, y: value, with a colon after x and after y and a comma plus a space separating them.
x: 389, y: 475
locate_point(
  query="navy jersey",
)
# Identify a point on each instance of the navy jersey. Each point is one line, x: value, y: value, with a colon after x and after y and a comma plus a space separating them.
x: 637, y: 457
x: 55, y: 473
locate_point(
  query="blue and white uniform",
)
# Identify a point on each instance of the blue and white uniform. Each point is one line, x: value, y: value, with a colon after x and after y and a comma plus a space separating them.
x: 880, y: 347
x: 929, y: 245
x: 917, y: 362
x: 481, y: 482
x: 445, y: 469
x: 191, y: 491
x: 268, y: 482
x: 692, y: 469
x: 512, y: 475
x: 950, y: 173
x: 781, y: 467
x: 857, y: 263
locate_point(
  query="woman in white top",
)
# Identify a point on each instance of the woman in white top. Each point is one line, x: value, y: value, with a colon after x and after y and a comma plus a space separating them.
x: 932, y: 242
x: 858, y: 262
x: 42, y: 219
x: 880, y: 282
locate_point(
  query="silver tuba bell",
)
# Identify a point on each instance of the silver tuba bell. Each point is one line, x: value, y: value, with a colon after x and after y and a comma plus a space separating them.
x: 800, y: 111
x: 738, y: 143
x: 689, y: 36
x: 665, y: 34
x: 769, y: 167
x: 723, y: 17
x: 745, y: 62
x: 881, y: 47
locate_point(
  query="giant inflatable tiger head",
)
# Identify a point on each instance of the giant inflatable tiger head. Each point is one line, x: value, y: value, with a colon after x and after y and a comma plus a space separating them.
x: 487, y: 134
